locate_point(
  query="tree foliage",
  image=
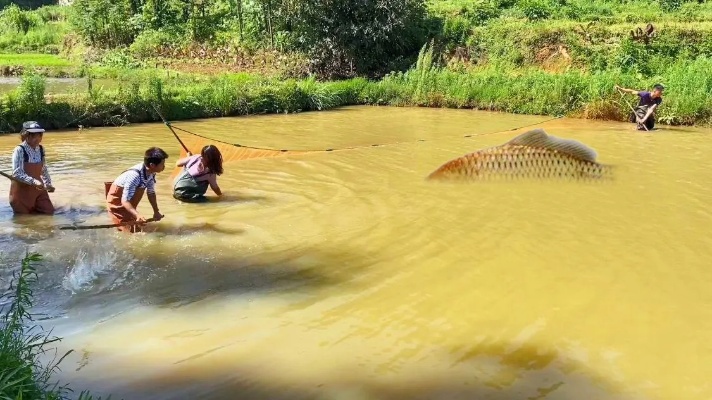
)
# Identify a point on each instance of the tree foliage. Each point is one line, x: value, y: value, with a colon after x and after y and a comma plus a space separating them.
x: 348, y: 37
x: 343, y: 38
x: 104, y: 23
x: 27, y: 4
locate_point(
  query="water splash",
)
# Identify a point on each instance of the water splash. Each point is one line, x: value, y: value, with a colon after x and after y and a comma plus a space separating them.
x: 98, y: 269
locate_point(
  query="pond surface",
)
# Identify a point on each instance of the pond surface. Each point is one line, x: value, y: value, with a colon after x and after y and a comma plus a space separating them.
x: 58, y: 85
x: 347, y: 275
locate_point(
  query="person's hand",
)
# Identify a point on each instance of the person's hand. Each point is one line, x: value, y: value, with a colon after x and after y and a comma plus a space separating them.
x: 189, y: 154
x: 140, y: 219
x: 157, y: 216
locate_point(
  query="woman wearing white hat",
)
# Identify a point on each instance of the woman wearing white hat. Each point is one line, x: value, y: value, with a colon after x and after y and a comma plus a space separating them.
x: 29, y: 167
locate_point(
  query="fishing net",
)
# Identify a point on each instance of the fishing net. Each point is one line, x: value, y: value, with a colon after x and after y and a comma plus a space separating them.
x: 640, y: 112
x: 233, y: 152
x: 230, y: 152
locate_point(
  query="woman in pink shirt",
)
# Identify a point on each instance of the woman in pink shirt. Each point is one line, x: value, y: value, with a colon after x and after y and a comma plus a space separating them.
x: 199, y: 172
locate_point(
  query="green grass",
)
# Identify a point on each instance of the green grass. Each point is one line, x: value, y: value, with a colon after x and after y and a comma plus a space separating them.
x: 180, y: 97
x: 595, y: 35
x: 554, y: 57
x: 46, y: 38
x: 598, y: 46
x: 42, y: 30
x: 610, y: 11
x: 530, y: 90
x: 22, y: 344
x: 687, y: 101
x: 34, y: 60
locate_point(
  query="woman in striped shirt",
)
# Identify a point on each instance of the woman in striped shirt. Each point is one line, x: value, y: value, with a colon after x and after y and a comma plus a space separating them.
x: 126, y: 191
x: 28, y: 167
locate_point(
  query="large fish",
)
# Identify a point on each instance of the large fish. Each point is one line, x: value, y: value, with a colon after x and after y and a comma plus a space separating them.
x: 533, y: 154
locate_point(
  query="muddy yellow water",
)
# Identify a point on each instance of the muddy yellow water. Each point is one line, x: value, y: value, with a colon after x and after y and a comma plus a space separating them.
x: 346, y: 275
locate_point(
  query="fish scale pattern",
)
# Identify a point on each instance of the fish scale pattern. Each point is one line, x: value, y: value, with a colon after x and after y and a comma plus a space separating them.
x: 512, y: 161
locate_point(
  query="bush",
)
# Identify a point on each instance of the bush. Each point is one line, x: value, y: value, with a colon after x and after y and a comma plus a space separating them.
x: 670, y: 5
x: 583, y: 10
x: 119, y: 58
x: 479, y: 12
x: 456, y: 30
x: 356, y: 37
x: 150, y: 42
x: 536, y: 9
x: 689, y: 12
x: 14, y: 18
x: 104, y: 23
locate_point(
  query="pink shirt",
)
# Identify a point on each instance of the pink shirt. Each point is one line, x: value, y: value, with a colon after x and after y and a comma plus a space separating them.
x: 197, y: 170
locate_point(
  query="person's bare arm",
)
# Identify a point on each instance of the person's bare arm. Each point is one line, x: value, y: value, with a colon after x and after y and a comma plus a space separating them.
x: 154, y: 203
x: 182, y: 161
x: 216, y: 188
x: 631, y: 91
x: 130, y: 208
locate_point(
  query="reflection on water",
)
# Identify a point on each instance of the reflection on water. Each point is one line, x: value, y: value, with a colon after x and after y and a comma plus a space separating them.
x: 347, y: 275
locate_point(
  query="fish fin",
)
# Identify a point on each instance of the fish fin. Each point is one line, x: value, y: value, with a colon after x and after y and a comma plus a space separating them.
x: 539, y: 138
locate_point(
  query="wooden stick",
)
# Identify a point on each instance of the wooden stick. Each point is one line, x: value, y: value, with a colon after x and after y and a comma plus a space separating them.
x: 633, y: 110
x: 12, y: 178
x: 168, y: 124
x: 74, y: 227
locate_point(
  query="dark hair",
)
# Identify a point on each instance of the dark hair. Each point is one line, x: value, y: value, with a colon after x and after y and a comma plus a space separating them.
x: 659, y: 87
x: 154, y: 155
x: 25, y: 134
x: 212, y: 158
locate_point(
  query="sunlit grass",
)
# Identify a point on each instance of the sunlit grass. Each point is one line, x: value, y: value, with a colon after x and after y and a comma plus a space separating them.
x: 179, y: 96
x: 688, y: 98
x: 34, y: 60
x: 534, y: 57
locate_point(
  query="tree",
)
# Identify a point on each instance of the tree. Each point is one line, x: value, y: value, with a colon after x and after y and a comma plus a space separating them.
x: 104, y: 23
x: 353, y: 37
x: 27, y: 4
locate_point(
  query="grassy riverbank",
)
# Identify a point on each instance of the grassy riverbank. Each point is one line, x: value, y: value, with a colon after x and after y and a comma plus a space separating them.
x: 571, y: 93
x: 548, y: 57
x: 526, y: 91
x: 180, y: 97
x: 23, y: 375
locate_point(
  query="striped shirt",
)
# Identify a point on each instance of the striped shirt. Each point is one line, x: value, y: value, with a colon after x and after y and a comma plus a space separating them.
x: 131, y: 180
x: 34, y: 156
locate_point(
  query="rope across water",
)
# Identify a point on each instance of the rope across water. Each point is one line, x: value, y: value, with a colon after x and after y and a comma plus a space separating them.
x: 348, y: 148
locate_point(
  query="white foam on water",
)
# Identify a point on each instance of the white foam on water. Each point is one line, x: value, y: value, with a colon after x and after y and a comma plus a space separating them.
x: 97, y: 268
